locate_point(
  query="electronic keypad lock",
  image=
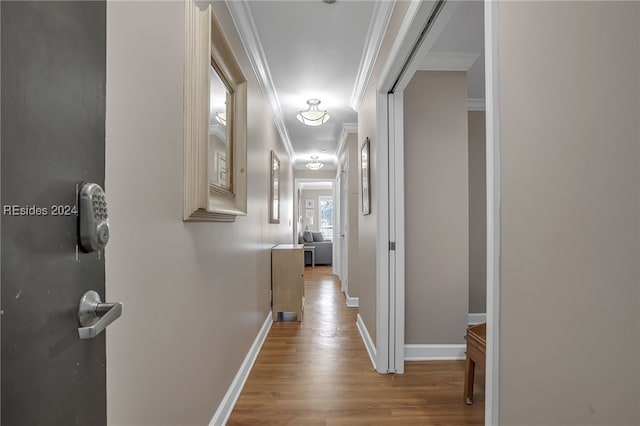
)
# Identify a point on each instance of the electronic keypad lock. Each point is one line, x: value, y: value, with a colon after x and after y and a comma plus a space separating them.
x: 93, y: 217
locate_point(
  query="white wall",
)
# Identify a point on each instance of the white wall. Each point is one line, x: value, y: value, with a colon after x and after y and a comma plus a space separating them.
x: 569, y: 107
x: 436, y: 207
x: 315, y: 174
x: 314, y: 194
x: 477, y: 213
x: 364, y: 281
x: 195, y: 294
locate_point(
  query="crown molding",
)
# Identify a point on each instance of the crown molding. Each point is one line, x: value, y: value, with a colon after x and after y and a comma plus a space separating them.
x: 246, y: 27
x: 475, y: 104
x: 377, y: 28
x: 448, y: 61
x: 346, y: 129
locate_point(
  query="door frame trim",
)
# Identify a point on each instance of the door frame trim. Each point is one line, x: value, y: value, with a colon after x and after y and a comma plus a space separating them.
x: 383, y: 280
x: 342, y: 250
x: 494, y: 167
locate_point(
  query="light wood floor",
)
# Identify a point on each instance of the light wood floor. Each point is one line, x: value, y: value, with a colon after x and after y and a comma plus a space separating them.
x: 319, y: 373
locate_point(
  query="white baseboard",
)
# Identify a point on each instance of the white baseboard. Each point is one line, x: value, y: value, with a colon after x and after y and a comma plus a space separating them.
x: 477, y: 318
x: 441, y: 352
x: 352, y: 302
x: 231, y: 397
x: 366, y: 338
x: 434, y: 352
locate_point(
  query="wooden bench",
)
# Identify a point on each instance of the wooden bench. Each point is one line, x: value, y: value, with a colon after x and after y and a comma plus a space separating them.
x: 476, y: 354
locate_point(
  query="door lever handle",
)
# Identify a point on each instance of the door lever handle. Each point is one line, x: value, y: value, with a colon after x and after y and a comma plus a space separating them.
x: 94, y: 316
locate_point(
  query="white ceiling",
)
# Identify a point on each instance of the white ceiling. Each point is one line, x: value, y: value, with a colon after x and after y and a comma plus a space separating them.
x: 313, y: 50
x: 463, y: 38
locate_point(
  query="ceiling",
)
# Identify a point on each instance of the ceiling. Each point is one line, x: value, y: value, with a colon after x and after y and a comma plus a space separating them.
x: 462, y: 40
x: 312, y: 49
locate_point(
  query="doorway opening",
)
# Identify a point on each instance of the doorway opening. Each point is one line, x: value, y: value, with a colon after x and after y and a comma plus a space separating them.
x: 423, y: 47
x: 316, y: 216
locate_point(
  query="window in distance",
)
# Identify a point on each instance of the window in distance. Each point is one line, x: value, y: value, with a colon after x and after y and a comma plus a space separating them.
x: 326, y: 217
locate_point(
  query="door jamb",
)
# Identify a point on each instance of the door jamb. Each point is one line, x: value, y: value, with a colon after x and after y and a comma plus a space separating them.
x: 383, y: 282
x: 494, y: 167
x: 396, y: 257
x: 342, y: 253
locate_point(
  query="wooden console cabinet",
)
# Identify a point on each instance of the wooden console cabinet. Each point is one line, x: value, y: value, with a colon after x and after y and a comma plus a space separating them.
x: 287, y: 279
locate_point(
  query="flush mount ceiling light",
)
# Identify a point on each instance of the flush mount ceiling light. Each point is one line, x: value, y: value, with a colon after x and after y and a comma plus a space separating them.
x: 221, y: 117
x: 313, y: 116
x: 314, y: 164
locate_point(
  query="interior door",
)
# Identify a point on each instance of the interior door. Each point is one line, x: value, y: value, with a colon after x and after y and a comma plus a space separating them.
x: 53, y: 73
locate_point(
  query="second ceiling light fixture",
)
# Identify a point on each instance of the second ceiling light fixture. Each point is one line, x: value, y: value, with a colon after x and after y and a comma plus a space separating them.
x: 314, y: 164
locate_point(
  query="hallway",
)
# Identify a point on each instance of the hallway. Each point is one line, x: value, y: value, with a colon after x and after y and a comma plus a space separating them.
x: 319, y: 373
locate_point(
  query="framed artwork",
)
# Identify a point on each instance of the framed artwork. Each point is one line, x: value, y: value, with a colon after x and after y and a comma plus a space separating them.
x: 274, y: 190
x: 366, y: 179
x: 309, y: 213
x: 309, y: 203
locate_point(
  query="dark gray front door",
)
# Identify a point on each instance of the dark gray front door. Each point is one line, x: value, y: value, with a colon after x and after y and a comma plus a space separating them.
x: 53, y: 119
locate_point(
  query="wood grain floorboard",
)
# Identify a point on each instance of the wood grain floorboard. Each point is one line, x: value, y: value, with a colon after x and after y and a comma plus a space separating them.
x: 318, y: 372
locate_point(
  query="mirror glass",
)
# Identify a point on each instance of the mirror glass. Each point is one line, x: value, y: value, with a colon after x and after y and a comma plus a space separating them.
x: 220, y: 137
x: 274, y: 206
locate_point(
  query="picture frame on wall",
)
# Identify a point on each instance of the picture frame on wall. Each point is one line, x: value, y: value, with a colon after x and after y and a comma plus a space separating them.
x: 366, y: 178
x: 309, y: 203
x: 274, y: 190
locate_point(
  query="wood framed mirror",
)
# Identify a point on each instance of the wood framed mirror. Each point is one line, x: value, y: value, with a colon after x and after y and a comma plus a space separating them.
x: 215, y: 122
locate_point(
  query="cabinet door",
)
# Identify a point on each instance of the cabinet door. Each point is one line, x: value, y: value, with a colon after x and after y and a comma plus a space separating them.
x: 287, y: 281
